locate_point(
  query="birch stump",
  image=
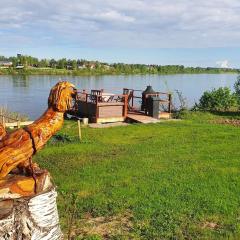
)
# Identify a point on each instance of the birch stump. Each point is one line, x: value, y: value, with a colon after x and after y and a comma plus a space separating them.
x: 26, y: 215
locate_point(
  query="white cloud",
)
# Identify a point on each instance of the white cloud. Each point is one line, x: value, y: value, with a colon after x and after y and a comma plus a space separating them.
x: 223, y: 64
x: 114, y: 16
x: 142, y: 23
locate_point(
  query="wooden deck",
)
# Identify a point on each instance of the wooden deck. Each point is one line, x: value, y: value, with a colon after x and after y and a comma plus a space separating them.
x: 101, y: 107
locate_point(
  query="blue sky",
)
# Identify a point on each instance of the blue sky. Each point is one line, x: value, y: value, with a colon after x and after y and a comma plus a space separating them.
x: 188, y: 32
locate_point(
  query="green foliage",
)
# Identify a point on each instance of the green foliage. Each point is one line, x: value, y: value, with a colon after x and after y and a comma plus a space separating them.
x: 220, y: 99
x: 198, y: 116
x: 237, y: 89
x: 174, y: 177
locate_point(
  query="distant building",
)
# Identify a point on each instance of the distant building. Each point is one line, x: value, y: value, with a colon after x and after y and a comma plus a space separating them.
x: 92, y: 66
x: 82, y: 66
x: 5, y: 64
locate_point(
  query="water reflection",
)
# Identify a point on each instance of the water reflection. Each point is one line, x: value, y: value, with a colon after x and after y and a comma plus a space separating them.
x: 21, y: 81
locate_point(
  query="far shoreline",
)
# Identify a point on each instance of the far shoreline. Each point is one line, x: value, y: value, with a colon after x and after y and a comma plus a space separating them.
x: 64, y: 72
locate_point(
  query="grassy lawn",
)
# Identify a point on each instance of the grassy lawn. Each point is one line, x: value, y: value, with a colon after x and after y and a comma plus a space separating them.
x: 172, y: 180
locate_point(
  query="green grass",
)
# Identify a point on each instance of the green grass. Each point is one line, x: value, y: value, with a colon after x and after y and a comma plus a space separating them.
x: 174, y: 177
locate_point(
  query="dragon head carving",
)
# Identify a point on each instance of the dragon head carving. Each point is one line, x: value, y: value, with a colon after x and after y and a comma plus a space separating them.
x: 61, y: 96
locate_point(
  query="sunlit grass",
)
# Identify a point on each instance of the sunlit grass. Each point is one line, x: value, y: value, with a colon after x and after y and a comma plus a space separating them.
x: 178, y: 179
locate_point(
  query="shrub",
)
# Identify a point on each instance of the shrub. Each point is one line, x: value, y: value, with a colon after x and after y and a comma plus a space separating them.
x: 237, y: 90
x: 221, y: 99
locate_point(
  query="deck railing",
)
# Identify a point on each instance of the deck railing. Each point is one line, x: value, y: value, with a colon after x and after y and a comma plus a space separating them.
x: 165, y: 98
x: 102, y: 98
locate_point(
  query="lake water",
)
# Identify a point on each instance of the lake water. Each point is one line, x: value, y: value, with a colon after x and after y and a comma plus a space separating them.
x: 29, y: 94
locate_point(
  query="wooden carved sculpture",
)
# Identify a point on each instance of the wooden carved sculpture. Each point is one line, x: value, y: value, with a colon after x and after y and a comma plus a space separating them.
x: 17, y: 172
x: 2, y: 132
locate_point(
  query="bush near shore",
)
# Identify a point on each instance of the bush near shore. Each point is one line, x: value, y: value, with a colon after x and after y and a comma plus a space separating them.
x: 220, y: 99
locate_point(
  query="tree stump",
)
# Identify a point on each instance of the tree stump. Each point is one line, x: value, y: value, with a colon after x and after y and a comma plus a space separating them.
x: 25, y: 214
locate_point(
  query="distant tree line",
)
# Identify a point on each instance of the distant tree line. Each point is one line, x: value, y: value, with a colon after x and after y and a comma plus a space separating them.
x: 81, y: 65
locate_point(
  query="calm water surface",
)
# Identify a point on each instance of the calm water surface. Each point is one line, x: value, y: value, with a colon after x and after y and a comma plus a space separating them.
x: 29, y: 94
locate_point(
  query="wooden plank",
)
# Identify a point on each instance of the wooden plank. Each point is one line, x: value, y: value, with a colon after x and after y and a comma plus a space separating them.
x: 141, y: 118
x: 110, y: 104
x: 110, y: 119
x: 110, y: 111
x: 16, y: 124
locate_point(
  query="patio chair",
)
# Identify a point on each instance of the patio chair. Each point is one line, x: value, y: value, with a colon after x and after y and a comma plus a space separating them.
x: 96, y: 94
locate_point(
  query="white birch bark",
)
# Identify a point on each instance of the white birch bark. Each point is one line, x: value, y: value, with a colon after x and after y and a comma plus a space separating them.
x: 30, y: 219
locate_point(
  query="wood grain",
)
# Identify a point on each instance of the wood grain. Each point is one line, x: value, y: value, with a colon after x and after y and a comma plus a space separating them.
x: 2, y: 132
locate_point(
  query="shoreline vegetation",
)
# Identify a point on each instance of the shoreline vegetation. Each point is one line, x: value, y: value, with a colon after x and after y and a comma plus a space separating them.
x: 55, y: 71
x: 27, y: 65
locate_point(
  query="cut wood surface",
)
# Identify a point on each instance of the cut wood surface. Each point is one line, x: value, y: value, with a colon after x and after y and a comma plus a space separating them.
x: 17, y: 186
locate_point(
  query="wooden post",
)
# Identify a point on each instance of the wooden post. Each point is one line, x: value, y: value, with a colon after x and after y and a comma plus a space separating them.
x: 79, y: 130
x: 132, y: 98
x: 18, y: 124
x: 170, y: 103
x: 3, y: 121
x: 125, y: 106
x: 97, y: 109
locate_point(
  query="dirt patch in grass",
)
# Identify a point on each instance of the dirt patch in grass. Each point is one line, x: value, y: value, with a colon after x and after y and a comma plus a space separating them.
x: 210, y: 225
x: 233, y: 122
x: 105, y: 227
